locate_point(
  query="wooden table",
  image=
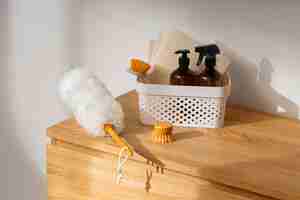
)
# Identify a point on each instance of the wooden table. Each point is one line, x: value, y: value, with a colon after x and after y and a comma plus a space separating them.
x: 255, y: 156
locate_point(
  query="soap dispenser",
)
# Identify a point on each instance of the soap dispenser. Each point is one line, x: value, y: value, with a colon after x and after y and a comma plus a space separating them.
x: 207, y: 62
x: 210, y: 76
x: 210, y: 49
x: 182, y: 75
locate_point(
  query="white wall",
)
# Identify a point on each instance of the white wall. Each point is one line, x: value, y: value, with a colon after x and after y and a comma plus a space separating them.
x: 39, y: 37
x: 261, y: 37
x: 33, y: 51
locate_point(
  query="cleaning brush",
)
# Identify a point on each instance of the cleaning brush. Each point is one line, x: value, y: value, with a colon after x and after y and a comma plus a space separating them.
x: 140, y: 68
x: 162, y: 133
x: 92, y: 104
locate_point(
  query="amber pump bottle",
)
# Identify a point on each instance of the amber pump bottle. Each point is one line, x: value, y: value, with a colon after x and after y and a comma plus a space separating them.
x: 210, y: 76
x: 182, y: 75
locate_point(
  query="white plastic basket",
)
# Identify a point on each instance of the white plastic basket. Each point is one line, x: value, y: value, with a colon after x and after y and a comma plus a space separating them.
x: 185, y: 106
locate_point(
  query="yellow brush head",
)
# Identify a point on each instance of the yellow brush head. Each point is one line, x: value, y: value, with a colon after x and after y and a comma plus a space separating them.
x: 139, y: 66
x: 162, y: 133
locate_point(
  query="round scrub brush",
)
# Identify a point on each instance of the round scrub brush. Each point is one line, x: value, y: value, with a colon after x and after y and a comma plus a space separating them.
x: 162, y: 133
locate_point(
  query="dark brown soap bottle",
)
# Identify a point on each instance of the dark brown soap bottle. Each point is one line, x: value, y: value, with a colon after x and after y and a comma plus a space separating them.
x: 210, y: 76
x: 182, y: 75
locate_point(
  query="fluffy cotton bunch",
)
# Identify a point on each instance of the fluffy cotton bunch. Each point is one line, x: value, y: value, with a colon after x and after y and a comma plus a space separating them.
x: 90, y: 101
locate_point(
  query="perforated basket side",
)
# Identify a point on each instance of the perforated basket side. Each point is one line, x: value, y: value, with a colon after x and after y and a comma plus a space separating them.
x: 186, y: 106
x: 182, y: 111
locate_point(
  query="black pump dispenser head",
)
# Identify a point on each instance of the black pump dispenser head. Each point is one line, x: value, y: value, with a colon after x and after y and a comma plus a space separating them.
x: 211, y: 50
x: 183, y: 60
x: 210, y: 63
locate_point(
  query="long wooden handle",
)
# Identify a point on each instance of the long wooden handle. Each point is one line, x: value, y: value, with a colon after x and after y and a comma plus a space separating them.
x: 109, y: 129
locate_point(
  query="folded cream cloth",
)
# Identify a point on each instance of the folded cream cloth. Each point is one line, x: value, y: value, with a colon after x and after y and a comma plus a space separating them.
x: 162, y: 54
x: 222, y: 64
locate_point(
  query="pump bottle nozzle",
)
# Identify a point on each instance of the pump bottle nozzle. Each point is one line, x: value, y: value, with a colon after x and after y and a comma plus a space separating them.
x: 183, y: 60
x: 210, y: 49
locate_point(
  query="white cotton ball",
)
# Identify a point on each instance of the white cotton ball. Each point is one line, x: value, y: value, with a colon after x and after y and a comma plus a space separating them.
x: 90, y: 101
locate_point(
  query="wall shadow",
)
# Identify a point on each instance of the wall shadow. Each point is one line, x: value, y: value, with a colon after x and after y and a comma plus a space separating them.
x: 251, y: 85
x: 20, y: 177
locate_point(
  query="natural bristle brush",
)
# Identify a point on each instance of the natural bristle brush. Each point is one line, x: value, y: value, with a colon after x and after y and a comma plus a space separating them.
x: 140, y: 68
x: 162, y: 133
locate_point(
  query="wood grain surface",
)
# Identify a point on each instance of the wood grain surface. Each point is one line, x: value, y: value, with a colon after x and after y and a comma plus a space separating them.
x: 255, y: 151
x: 80, y: 174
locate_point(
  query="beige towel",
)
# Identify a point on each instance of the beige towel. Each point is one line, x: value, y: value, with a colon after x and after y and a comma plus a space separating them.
x: 163, y: 56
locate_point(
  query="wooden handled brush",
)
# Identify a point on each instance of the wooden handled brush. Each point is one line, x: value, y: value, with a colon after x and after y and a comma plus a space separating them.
x: 110, y: 130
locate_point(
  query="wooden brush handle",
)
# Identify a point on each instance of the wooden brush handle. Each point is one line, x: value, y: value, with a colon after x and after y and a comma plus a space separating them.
x: 109, y: 129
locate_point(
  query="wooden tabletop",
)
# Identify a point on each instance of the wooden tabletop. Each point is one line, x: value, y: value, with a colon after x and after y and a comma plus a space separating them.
x: 254, y: 151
